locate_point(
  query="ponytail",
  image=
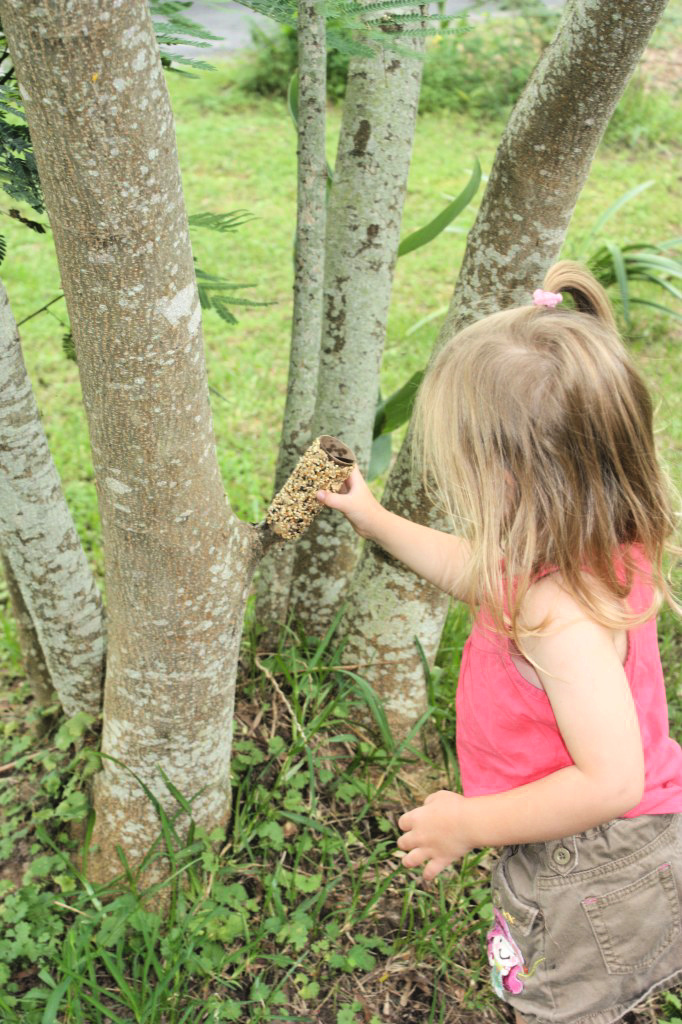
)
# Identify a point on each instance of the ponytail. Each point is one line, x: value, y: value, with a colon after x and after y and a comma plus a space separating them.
x: 586, y: 292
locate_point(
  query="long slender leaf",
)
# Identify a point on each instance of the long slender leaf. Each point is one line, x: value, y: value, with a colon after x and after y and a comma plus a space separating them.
x: 368, y: 694
x: 426, y: 320
x: 52, y: 1004
x: 426, y: 234
x: 326, y: 639
x: 621, y: 277
x: 659, y: 307
x: 379, y: 456
x: 613, y: 209
x: 397, y: 408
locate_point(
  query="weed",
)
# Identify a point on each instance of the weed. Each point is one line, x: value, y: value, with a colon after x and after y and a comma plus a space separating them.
x: 287, y: 913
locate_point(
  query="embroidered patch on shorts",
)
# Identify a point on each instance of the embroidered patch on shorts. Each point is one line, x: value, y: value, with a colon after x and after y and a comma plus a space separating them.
x: 508, y: 968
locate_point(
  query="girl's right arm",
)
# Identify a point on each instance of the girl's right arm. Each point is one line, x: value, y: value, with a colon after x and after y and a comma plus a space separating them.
x: 440, y: 558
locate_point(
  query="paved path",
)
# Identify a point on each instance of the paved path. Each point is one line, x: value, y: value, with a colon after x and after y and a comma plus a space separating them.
x: 232, y: 21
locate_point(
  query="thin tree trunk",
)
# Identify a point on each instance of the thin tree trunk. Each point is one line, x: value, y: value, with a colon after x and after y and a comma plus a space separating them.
x: 540, y: 167
x: 177, y: 562
x: 363, y: 233
x: 275, y: 571
x: 31, y: 651
x: 54, y: 595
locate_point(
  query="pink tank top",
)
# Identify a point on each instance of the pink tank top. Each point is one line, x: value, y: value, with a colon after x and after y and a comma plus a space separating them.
x: 507, y: 734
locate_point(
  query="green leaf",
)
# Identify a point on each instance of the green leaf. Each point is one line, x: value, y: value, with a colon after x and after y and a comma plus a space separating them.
x: 397, y: 408
x: 380, y: 456
x: 347, y: 1014
x: 659, y: 307
x: 272, y: 833
x: 613, y: 209
x: 307, y: 883
x: 621, y: 277
x: 68, y: 346
x: 423, y: 321
x: 359, y: 957
x: 374, y: 705
x: 220, y: 222
x: 426, y: 234
x: 73, y: 729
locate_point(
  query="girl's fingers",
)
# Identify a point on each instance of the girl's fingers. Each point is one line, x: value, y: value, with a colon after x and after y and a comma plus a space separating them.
x: 432, y: 869
x: 407, y: 842
x: 330, y: 499
x: 405, y: 821
x: 414, y: 858
x: 434, y: 796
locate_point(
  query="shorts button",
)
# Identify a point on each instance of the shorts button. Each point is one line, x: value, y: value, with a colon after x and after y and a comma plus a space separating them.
x: 561, y: 856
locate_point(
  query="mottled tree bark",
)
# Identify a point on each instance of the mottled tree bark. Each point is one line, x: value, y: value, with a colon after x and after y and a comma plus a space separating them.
x: 31, y: 652
x: 363, y: 233
x: 539, y: 170
x: 177, y: 562
x: 54, y: 595
x: 276, y: 569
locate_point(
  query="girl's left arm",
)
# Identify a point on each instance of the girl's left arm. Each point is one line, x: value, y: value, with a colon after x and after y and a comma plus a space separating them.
x: 590, y: 695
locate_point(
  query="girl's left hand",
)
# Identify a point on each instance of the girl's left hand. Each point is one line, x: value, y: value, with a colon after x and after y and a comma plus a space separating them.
x: 435, y: 833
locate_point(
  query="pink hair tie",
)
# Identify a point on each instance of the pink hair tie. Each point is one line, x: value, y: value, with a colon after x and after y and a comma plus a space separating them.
x: 549, y: 299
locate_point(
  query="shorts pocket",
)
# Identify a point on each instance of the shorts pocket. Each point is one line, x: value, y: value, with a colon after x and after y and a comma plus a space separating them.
x: 515, y: 940
x: 635, y: 924
x: 519, y: 913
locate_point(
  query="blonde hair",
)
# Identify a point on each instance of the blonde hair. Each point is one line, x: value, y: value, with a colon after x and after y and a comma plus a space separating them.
x: 536, y: 434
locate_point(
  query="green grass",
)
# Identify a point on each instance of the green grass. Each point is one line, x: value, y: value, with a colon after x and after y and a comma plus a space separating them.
x: 301, y: 913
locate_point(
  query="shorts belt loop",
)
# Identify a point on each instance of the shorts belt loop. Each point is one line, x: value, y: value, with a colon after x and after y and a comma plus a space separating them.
x: 562, y: 855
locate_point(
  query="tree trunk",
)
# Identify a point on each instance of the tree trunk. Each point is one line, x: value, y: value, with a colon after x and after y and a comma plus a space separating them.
x: 365, y: 211
x: 31, y: 652
x: 54, y: 595
x: 539, y: 170
x: 276, y: 569
x: 177, y: 562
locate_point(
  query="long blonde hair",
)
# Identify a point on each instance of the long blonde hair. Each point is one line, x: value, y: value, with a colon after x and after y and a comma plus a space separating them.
x: 536, y: 435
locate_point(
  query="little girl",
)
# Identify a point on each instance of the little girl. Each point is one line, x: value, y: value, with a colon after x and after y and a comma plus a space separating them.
x: 536, y: 434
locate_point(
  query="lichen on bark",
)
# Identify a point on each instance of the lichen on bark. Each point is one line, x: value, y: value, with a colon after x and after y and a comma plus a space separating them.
x: 540, y: 167
x: 364, y: 218
x: 53, y: 591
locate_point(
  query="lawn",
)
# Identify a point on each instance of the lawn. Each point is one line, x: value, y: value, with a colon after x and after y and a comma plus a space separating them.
x: 302, y: 912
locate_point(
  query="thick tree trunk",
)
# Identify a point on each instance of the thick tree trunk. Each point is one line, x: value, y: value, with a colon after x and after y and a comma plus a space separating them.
x: 364, y: 217
x: 539, y: 170
x: 177, y: 562
x: 54, y: 595
x: 276, y: 569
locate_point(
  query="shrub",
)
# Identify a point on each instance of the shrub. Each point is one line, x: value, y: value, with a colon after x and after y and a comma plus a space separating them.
x: 481, y: 71
x: 273, y: 59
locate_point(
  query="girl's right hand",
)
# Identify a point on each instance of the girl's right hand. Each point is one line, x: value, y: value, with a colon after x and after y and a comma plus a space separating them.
x: 357, y: 503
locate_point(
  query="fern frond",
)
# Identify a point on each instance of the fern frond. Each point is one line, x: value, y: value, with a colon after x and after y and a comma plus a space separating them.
x: 218, y: 294
x: 400, y: 19
x: 224, y: 313
x: 176, y: 29
x: 169, y: 60
x: 282, y: 11
x: 221, y: 222
x: 68, y: 347
x: 3, y: 248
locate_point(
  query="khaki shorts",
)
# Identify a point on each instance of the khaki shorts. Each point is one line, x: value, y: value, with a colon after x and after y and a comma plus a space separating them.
x: 587, y: 927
